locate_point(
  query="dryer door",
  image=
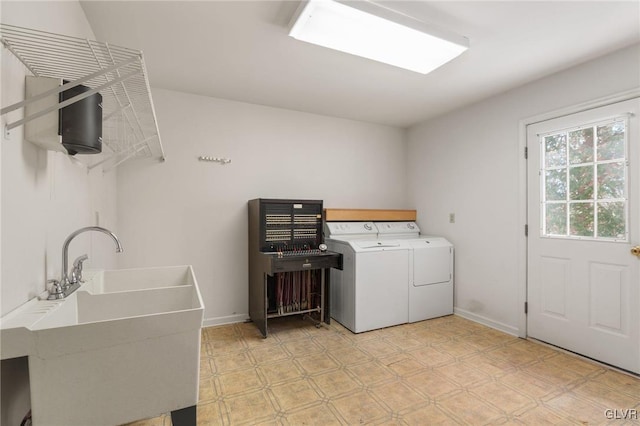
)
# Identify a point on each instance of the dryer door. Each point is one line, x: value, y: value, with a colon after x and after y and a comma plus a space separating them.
x: 431, y: 265
x: 431, y: 288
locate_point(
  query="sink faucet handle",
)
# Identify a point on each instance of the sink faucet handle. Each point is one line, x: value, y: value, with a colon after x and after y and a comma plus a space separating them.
x: 76, y: 272
x: 56, y: 291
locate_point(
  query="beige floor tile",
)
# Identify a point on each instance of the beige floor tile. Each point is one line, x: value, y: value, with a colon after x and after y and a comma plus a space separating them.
x: 301, y: 347
x: 240, y: 381
x: 359, y: 408
x: 491, y: 366
x: 463, y: 374
x: 432, y: 384
x: 397, y: 396
x: 529, y: 385
x: 514, y: 355
x: 332, y: 340
x: 429, y: 415
x: 405, y: 342
x: 403, y: 364
x: 483, y: 342
x: 553, y: 374
x: 292, y: 328
x: 224, y: 345
x: 209, y: 414
x: 316, y: 364
x: 249, y: 407
x: 377, y: 348
x: 371, y: 373
x: 296, y: 394
x: 267, y: 354
x: 349, y: 356
x: 233, y: 362
x: 432, y: 336
x: 207, y: 366
x: 580, y: 410
x: 431, y: 356
x: 317, y: 415
x: 503, y: 397
x: 335, y: 383
x: 620, y: 381
x: 220, y: 332
x: 541, y: 415
x: 471, y: 409
x: 278, y: 372
x: 573, y: 363
x: 207, y: 390
x: 606, y: 396
x: 540, y: 350
x: 455, y: 348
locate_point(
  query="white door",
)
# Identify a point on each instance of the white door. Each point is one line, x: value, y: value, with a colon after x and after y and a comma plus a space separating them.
x: 583, y: 198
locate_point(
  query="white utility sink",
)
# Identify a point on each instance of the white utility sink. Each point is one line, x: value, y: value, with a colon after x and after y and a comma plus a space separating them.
x: 124, y: 346
x: 139, y: 279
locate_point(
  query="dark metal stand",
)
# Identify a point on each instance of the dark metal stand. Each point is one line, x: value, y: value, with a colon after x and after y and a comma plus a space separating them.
x: 184, y: 416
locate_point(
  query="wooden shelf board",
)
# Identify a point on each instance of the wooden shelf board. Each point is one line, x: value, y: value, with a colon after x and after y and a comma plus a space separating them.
x: 336, y: 215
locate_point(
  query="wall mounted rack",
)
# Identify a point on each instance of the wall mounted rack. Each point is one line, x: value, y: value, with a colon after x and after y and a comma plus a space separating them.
x: 130, y: 128
x: 220, y: 160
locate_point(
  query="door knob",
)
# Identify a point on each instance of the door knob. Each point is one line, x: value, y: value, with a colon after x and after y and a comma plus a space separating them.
x: 635, y: 251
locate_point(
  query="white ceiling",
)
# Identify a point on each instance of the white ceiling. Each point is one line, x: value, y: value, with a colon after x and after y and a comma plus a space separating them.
x: 240, y: 50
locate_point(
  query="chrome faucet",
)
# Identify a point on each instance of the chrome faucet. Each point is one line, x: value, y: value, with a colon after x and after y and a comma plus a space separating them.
x: 69, y: 284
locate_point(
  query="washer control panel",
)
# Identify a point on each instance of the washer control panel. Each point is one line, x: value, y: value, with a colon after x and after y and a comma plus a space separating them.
x: 334, y: 229
x: 398, y: 228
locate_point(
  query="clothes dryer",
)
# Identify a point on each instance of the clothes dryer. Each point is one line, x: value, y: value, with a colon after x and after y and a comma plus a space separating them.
x: 430, y: 278
x: 430, y: 269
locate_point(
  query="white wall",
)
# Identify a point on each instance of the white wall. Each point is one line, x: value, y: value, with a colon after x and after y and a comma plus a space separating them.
x: 190, y: 212
x: 45, y: 195
x: 467, y: 162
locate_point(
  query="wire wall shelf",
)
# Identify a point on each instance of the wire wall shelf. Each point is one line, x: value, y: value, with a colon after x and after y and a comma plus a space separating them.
x: 130, y: 128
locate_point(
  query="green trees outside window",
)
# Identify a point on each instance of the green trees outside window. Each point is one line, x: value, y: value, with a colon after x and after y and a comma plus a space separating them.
x: 584, y: 172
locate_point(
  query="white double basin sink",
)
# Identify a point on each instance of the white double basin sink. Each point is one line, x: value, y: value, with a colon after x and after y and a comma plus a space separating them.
x: 124, y: 346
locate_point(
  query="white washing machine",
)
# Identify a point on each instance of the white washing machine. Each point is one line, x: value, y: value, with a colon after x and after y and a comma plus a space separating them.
x: 370, y: 291
x: 430, y: 270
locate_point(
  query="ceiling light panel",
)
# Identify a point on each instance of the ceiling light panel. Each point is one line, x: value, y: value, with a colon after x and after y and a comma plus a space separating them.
x: 365, y: 29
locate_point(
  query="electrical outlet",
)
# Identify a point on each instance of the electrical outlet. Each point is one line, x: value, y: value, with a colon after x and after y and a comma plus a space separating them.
x: 452, y: 218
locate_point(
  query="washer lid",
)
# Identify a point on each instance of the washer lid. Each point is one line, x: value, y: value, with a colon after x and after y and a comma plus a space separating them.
x: 377, y: 245
x: 429, y: 242
x: 397, y: 229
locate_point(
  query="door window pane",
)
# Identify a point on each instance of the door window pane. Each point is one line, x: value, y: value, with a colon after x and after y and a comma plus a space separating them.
x: 556, y: 219
x: 611, y: 141
x: 581, y: 183
x: 581, y: 219
x: 611, y: 180
x: 555, y: 150
x: 581, y: 146
x: 556, y: 184
x: 611, y: 220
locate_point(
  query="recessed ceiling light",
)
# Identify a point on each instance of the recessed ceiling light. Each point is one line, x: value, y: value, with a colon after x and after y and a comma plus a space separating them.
x: 365, y: 29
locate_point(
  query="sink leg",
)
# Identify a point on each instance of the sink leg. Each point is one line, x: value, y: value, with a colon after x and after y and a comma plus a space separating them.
x: 184, y: 416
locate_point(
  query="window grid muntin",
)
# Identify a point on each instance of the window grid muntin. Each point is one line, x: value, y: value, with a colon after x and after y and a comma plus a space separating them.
x: 567, y: 166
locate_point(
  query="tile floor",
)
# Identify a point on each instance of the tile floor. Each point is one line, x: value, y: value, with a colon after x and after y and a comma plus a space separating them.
x: 443, y: 371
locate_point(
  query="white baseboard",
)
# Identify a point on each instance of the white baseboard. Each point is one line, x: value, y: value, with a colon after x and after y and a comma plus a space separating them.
x: 231, y: 319
x: 486, y: 321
